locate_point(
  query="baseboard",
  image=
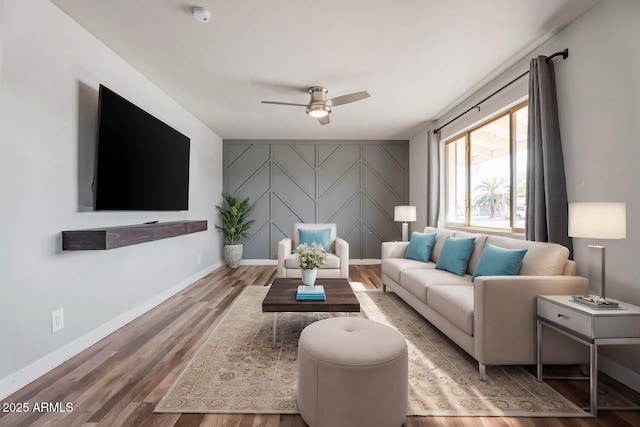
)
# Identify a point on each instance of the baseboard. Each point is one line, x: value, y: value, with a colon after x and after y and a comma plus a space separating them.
x: 24, y: 376
x: 275, y: 262
x: 259, y: 262
x: 364, y: 261
x: 620, y: 373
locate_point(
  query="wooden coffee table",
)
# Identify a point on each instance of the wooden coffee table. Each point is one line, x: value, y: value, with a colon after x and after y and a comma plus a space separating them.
x: 282, y: 298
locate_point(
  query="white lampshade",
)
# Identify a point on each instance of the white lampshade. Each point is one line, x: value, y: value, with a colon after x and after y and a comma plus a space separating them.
x: 404, y: 213
x: 598, y: 220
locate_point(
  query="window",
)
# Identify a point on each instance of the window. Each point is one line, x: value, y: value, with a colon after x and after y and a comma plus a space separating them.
x: 485, y: 170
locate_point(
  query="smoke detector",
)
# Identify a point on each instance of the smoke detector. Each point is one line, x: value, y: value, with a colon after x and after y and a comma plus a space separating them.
x: 201, y: 14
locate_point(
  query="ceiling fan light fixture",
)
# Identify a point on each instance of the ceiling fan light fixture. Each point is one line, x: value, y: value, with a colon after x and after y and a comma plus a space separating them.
x: 318, y: 111
x: 319, y: 106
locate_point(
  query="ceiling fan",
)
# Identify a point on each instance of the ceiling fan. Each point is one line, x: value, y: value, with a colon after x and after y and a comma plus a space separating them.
x: 320, y: 107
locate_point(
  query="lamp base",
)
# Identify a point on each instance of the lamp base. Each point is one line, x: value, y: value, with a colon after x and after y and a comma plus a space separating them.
x: 595, y: 302
x: 405, y: 232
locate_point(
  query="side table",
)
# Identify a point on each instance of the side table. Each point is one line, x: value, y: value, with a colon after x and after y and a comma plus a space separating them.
x: 592, y: 327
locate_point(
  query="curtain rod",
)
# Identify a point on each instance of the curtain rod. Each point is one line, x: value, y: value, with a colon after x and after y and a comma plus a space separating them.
x: 564, y: 54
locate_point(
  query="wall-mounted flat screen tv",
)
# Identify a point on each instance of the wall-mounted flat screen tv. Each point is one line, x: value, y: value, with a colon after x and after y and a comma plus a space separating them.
x: 142, y: 163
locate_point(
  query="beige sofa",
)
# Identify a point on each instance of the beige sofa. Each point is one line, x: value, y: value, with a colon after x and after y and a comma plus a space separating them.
x: 493, y: 318
x: 337, y: 265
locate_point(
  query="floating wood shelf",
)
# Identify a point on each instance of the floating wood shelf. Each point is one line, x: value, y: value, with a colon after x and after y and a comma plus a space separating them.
x: 126, y: 235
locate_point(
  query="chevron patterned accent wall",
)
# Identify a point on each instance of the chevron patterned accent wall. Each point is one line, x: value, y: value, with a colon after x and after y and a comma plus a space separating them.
x: 355, y: 184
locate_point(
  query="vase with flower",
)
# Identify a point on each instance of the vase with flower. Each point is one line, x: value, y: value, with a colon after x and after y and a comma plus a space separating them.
x: 310, y: 258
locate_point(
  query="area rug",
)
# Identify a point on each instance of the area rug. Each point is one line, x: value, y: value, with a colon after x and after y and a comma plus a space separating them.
x: 238, y: 371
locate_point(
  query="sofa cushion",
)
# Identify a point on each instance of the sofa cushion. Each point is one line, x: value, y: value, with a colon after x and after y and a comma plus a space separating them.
x: 418, y: 281
x: 455, y: 254
x: 478, y: 246
x: 321, y: 236
x: 420, y: 246
x: 442, y: 235
x: 392, y: 267
x: 497, y: 261
x: 333, y: 261
x: 455, y: 303
x: 541, y: 259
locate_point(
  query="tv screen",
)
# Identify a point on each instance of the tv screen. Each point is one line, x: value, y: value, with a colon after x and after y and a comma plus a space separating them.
x: 142, y: 163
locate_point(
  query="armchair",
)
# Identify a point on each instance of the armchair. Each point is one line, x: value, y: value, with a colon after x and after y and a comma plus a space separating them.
x: 337, y: 265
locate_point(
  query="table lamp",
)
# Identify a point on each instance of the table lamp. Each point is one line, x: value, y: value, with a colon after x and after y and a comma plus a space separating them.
x: 404, y: 214
x: 597, y: 220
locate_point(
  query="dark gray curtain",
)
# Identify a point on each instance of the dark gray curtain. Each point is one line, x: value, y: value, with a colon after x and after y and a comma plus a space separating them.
x: 547, y: 206
x: 433, y: 187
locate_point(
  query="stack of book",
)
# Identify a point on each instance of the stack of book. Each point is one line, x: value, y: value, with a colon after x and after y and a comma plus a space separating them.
x: 315, y: 293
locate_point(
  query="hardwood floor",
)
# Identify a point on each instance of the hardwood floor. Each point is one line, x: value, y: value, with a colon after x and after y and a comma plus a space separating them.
x: 118, y: 381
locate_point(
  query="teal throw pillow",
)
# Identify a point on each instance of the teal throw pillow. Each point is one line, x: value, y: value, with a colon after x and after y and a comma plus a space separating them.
x: 420, y: 246
x: 497, y: 261
x: 455, y: 254
x: 321, y: 236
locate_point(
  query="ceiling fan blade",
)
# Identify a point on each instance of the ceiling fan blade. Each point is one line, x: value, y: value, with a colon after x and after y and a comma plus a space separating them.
x: 324, y: 120
x: 284, y: 103
x: 345, y: 99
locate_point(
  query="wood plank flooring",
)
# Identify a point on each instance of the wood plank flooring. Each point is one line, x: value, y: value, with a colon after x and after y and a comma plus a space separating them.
x: 118, y: 381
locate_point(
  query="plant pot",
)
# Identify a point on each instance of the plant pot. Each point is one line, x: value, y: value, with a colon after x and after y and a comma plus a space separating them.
x: 309, y: 276
x: 232, y: 255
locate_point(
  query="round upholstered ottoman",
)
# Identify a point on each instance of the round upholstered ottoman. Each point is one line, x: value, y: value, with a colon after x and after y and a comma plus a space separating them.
x: 352, y: 372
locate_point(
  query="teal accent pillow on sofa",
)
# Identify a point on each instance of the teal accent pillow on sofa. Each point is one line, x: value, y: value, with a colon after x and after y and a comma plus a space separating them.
x: 321, y: 236
x: 455, y: 254
x: 497, y: 261
x: 420, y: 246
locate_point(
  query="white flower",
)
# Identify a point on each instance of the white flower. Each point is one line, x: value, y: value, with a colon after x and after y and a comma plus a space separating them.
x: 311, y: 257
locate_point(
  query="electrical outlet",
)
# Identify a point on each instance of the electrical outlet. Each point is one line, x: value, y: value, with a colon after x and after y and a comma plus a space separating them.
x: 57, y: 320
x: 199, y: 259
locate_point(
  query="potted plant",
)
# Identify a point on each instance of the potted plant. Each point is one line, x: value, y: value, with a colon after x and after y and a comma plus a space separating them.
x: 234, y: 226
x: 310, y: 258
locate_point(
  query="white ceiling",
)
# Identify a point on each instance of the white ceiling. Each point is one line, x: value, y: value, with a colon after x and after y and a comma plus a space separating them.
x: 415, y: 57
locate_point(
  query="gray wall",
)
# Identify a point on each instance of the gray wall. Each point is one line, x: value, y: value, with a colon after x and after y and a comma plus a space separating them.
x: 355, y: 184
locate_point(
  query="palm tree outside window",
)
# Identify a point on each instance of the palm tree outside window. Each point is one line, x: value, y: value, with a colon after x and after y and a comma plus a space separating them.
x: 491, y: 197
